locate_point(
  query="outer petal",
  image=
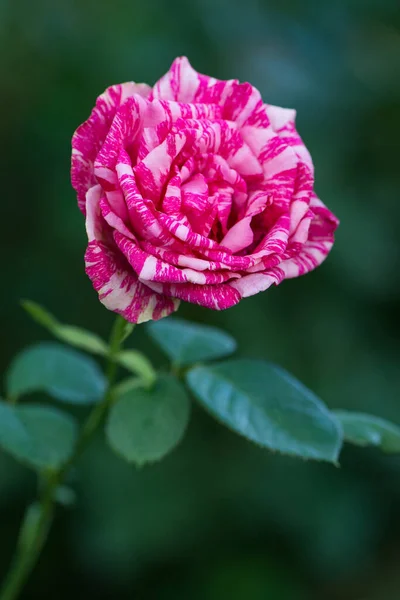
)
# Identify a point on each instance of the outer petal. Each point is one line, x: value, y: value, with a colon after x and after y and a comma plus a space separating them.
x: 181, y: 83
x: 240, y: 102
x: 116, y: 283
x: 215, y: 297
x: 320, y: 241
x: 127, y: 125
x: 251, y: 284
x: 299, y: 260
x: 89, y: 137
x: 283, y: 122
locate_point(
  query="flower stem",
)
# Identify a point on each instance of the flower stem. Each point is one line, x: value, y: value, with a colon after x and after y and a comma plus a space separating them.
x: 38, y: 517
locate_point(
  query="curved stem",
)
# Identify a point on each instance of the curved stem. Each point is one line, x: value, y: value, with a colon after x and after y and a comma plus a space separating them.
x: 36, y: 524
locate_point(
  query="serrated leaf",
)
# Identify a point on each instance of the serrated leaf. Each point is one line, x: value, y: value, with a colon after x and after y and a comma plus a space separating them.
x: 64, y: 373
x: 137, y: 363
x: 144, y: 425
x: 39, y: 436
x: 367, y: 430
x: 75, y: 336
x: 268, y: 406
x: 186, y: 343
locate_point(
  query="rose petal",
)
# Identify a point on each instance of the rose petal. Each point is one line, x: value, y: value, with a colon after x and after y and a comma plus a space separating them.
x: 215, y: 297
x: 239, y: 236
x: 119, y: 289
x: 252, y: 284
x: 151, y: 268
x: 180, y: 83
x: 89, y: 137
x: 283, y: 122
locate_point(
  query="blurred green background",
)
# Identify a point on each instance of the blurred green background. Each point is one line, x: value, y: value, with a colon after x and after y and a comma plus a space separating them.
x: 219, y: 518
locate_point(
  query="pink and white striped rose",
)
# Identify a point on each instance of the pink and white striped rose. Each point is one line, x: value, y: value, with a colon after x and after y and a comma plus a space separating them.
x: 194, y: 190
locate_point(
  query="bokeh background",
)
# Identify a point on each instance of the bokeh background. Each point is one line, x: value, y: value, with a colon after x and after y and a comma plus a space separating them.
x: 218, y: 519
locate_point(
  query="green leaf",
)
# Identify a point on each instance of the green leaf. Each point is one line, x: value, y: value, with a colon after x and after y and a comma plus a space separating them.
x: 127, y: 385
x: 39, y: 436
x: 367, y: 430
x: 39, y: 314
x: 64, y: 373
x: 268, y: 406
x: 81, y: 338
x: 186, y: 342
x: 144, y: 425
x: 75, y: 336
x: 137, y: 363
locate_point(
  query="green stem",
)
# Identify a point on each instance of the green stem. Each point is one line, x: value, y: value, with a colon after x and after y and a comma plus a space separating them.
x: 34, y: 530
x: 28, y: 553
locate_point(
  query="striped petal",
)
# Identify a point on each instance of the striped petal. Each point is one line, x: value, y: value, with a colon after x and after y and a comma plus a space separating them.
x: 117, y: 284
x: 120, y: 290
x: 89, y: 137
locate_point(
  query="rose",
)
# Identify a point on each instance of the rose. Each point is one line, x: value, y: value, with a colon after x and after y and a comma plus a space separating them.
x: 194, y: 190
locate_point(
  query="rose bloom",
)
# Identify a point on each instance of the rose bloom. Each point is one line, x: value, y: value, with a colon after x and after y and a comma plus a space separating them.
x: 195, y: 190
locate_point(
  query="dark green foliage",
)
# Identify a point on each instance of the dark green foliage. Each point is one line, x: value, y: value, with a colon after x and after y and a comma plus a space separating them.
x: 186, y: 343
x: 64, y: 373
x: 269, y: 407
x: 42, y: 437
x: 144, y: 425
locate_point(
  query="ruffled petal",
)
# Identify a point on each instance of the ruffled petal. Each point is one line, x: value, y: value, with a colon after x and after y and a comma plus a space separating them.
x: 215, y: 297
x: 252, y: 284
x: 181, y: 83
x: 283, y: 122
x: 319, y: 241
x: 119, y: 288
x: 240, y: 102
x: 117, y: 284
x: 89, y: 137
